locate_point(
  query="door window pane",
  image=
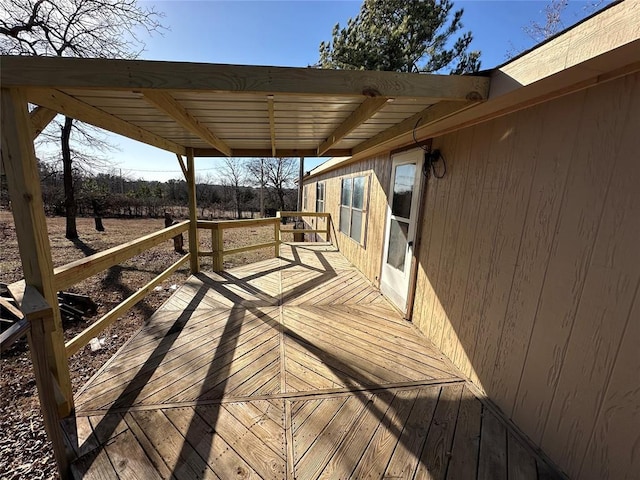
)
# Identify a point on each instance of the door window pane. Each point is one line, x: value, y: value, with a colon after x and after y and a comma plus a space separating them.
x: 398, y: 234
x: 356, y: 225
x: 403, y: 190
x: 358, y: 193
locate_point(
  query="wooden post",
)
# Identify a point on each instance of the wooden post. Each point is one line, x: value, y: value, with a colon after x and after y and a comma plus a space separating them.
x: 300, y: 186
x: 327, y: 219
x: 40, y: 316
x: 217, y: 247
x: 276, y: 234
x: 220, y: 249
x: 214, y: 242
x: 21, y: 167
x: 193, y: 212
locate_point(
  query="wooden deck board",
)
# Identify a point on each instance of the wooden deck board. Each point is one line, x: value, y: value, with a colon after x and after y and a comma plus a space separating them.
x: 295, y: 367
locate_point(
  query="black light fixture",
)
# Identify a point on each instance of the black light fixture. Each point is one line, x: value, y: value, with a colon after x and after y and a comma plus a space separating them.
x: 431, y: 159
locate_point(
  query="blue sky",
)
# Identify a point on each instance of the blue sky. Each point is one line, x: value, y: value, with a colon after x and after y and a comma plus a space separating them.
x: 287, y: 33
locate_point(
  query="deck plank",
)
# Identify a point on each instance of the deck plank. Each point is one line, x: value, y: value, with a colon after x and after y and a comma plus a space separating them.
x: 404, y: 461
x: 374, y: 461
x: 295, y: 367
x: 437, y: 448
x: 492, y: 463
x: 165, y: 438
x: 466, y: 442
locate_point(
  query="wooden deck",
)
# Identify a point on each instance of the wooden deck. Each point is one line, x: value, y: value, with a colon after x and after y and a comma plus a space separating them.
x: 290, y: 368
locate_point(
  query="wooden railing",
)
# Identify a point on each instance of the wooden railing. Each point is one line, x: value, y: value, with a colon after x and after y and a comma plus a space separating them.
x: 37, y: 320
x: 217, y: 228
x: 302, y: 215
x: 84, y: 268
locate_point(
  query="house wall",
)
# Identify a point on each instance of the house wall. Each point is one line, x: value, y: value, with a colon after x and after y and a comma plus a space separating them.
x: 366, y: 257
x: 529, y: 269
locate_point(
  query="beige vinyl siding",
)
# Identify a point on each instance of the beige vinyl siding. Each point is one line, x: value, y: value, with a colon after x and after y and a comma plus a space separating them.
x: 529, y: 269
x: 367, y: 255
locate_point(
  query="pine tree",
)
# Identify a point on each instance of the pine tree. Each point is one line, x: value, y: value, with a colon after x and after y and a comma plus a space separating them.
x: 402, y: 36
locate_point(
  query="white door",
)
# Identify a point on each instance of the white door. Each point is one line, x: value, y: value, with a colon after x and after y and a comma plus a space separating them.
x: 400, y: 232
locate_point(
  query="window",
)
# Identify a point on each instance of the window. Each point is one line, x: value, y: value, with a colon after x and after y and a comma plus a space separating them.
x: 305, y: 189
x: 320, y: 197
x: 352, y: 207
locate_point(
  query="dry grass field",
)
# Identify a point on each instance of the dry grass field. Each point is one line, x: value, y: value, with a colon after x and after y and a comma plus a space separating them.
x: 24, y: 450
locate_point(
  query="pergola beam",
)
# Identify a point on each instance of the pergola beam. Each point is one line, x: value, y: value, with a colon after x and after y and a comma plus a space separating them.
x: 56, y: 72
x: 267, y: 152
x: 182, y: 166
x: 364, y: 112
x: 72, y: 107
x: 40, y: 118
x: 172, y: 107
x: 428, y: 115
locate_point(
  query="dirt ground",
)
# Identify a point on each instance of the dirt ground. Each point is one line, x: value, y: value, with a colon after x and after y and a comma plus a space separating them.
x: 24, y: 449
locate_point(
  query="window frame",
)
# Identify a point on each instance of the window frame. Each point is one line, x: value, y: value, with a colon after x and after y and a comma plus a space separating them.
x: 363, y: 211
x: 305, y: 196
x: 320, y: 202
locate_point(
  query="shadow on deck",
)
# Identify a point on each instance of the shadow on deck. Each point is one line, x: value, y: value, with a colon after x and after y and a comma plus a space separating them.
x: 294, y: 367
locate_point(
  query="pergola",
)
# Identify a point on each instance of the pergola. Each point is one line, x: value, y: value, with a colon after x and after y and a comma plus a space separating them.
x: 208, y: 110
x: 241, y: 111
x: 193, y: 110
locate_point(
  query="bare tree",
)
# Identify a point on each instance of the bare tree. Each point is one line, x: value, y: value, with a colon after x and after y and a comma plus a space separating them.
x: 257, y: 169
x: 75, y: 28
x: 234, y: 176
x: 281, y: 175
x: 553, y: 21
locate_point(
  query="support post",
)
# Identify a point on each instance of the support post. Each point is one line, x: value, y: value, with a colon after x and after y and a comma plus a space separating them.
x: 276, y: 234
x: 214, y: 242
x: 327, y: 219
x: 39, y: 315
x: 300, y: 186
x: 217, y: 246
x: 21, y: 167
x: 193, y: 212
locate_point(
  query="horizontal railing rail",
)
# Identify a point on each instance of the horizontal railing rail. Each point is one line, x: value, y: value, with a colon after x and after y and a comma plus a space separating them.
x: 217, y: 228
x: 84, y: 337
x: 75, y: 272
x: 302, y: 215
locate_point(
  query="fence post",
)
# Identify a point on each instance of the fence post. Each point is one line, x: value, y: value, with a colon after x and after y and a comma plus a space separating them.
x: 276, y: 233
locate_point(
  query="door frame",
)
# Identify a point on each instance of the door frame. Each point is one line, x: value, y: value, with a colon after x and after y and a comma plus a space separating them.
x: 413, y: 155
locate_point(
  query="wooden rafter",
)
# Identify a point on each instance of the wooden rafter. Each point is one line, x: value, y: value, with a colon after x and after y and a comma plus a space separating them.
x: 40, y: 118
x: 56, y: 72
x: 364, y: 112
x: 267, y: 152
x: 182, y: 166
x: 272, y: 124
x: 67, y: 105
x: 431, y: 114
x: 172, y: 107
